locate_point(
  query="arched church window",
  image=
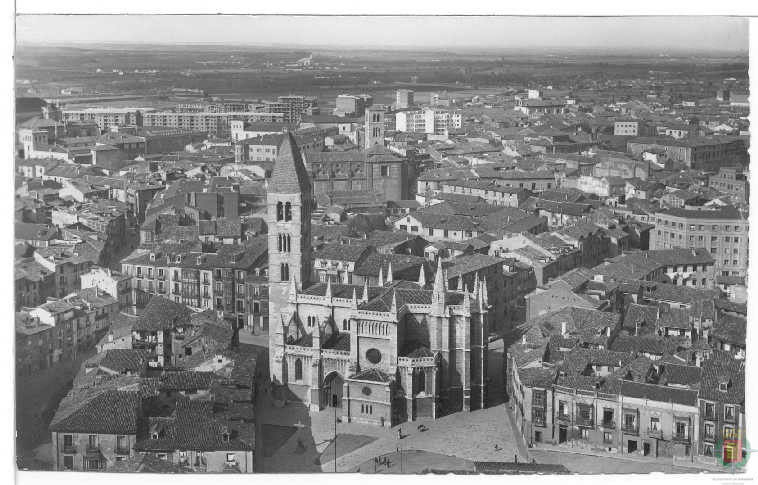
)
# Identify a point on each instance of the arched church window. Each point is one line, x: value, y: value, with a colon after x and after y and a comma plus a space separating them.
x: 288, y: 211
x: 421, y: 381
x: 298, y: 370
x: 279, y: 211
x: 285, y: 272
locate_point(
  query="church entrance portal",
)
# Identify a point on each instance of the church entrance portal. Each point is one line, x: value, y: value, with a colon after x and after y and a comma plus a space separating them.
x: 332, y: 390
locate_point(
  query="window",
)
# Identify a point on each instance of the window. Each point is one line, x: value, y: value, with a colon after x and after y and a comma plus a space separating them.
x: 607, y: 437
x: 122, y: 443
x: 431, y: 231
x: 562, y: 408
x: 284, y: 272
x: 288, y: 211
x: 384, y: 170
x: 92, y: 441
x: 584, y: 433
x: 729, y: 413
x: 708, y: 431
x: 681, y: 429
x: 708, y: 450
x: 655, y: 424
x: 230, y: 456
x: 298, y: 370
x: 345, y: 324
x: 68, y: 462
x: 279, y: 211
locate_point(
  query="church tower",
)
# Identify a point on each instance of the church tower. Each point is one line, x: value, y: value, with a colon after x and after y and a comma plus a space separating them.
x: 289, y: 202
x: 374, y: 126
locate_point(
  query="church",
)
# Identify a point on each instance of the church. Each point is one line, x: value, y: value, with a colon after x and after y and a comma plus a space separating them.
x: 382, y: 354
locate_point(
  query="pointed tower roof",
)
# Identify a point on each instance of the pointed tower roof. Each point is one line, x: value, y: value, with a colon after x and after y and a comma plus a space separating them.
x: 421, y: 277
x: 290, y: 175
x: 364, y: 297
x: 381, y: 276
x: 328, y: 292
x: 439, y: 278
x: 389, y: 272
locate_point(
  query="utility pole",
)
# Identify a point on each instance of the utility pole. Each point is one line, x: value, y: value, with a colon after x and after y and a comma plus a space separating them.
x: 334, y: 406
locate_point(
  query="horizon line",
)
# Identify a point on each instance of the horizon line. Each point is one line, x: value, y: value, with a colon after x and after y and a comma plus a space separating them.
x: 646, y: 50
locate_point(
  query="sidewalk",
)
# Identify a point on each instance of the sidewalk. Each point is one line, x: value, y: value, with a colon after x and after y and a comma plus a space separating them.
x: 632, y: 458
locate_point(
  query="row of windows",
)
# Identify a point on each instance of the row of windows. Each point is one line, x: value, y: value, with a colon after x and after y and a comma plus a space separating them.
x: 367, y: 408
x: 699, y: 227
x: 284, y: 243
x: 284, y: 211
x: 714, y: 239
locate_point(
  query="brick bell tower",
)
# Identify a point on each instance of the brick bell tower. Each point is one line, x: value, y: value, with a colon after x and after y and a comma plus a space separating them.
x: 289, y: 202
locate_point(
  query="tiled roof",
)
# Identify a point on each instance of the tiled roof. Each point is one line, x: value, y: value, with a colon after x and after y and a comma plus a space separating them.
x: 338, y: 341
x: 687, y: 375
x: 467, y: 264
x: 341, y: 252
x: 194, y: 426
x: 125, y: 360
x: 654, y: 392
x: 290, y: 175
x: 162, y: 314
x: 536, y: 376
x: 727, y: 212
x: 649, y: 344
x: 186, y: 380
x: 731, y: 329
x: 723, y: 368
x: 372, y: 374
x: 400, y: 262
x: 107, y: 412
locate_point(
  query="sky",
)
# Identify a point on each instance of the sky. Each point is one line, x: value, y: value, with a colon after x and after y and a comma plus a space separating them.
x: 728, y: 34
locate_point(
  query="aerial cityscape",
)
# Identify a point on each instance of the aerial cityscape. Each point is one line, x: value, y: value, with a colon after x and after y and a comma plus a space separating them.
x: 242, y: 255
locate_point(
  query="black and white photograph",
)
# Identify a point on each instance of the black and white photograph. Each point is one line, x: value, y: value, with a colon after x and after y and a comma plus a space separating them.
x: 380, y: 244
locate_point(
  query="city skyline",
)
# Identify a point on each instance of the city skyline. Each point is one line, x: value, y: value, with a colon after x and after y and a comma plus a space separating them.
x: 641, y: 34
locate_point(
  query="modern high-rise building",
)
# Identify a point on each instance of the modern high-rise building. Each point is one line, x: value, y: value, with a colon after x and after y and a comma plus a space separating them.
x: 350, y: 105
x: 404, y: 98
x: 723, y: 231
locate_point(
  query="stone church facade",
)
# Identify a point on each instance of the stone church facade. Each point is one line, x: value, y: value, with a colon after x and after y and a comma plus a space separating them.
x: 381, y: 354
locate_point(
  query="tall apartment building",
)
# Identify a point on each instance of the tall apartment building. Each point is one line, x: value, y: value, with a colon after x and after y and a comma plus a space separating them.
x: 350, y: 105
x: 217, y: 124
x: 232, y: 281
x: 107, y: 117
x: 699, y: 153
x: 293, y: 107
x: 404, y: 98
x: 724, y: 232
x: 732, y: 181
x: 433, y: 121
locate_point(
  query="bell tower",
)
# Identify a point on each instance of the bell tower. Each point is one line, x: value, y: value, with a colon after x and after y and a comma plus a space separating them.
x: 289, y: 202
